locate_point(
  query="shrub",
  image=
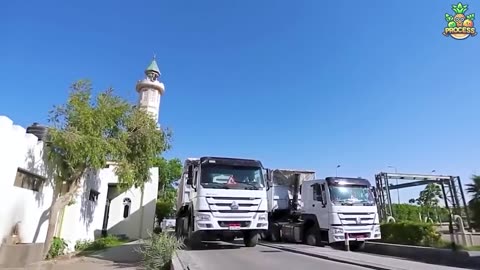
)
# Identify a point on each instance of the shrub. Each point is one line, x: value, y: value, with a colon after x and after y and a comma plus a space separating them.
x: 98, y: 244
x: 158, y: 251
x: 57, y: 248
x: 410, y: 233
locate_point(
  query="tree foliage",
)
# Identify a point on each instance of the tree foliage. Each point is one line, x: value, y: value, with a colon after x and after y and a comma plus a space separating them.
x: 429, y: 197
x: 169, y: 171
x: 416, y: 213
x: 428, y: 200
x: 473, y: 189
x: 87, y: 132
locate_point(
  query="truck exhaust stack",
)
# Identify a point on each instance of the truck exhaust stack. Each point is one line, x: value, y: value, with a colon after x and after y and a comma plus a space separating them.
x: 296, y: 191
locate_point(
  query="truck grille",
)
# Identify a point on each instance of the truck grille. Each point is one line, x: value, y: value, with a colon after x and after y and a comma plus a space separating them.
x: 238, y: 207
x: 357, y: 219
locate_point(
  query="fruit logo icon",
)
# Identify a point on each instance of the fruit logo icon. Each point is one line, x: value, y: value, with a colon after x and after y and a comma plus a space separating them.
x: 460, y: 26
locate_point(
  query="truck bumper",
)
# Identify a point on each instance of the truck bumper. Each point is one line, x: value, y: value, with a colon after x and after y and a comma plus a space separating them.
x: 354, y: 233
x: 205, y: 221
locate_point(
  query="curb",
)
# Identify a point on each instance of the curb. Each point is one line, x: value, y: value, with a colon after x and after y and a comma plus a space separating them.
x: 325, y: 257
x: 177, y: 263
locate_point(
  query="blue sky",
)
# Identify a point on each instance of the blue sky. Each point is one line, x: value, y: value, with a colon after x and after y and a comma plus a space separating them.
x: 298, y: 84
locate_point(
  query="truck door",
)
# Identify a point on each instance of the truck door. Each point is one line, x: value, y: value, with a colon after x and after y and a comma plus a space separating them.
x: 319, y: 205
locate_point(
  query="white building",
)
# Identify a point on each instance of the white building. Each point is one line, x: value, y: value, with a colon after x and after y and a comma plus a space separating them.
x: 27, y: 194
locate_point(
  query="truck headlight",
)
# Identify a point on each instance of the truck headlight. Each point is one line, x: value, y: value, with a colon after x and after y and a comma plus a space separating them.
x: 337, y: 231
x: 262, y: 217
x: 377, y: 229
x: 202, y: 217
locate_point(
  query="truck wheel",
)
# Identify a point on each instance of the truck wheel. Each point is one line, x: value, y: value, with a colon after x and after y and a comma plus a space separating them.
x: 311, y: 237
x: 275, y: 233
x: 265, y: 236
x: 250, y: 239
x: 192, y: 241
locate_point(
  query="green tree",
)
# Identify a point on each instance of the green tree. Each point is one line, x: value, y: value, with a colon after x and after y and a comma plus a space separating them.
x: 87, y: 132
x: 474, y: 188
x: 169, y: 171
x: 165, y: 206
x: 474, y: 204
x: 429, y: 199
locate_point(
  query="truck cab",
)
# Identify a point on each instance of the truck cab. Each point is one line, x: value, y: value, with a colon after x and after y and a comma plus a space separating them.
x: 338, y: 207
x: 222, y: 198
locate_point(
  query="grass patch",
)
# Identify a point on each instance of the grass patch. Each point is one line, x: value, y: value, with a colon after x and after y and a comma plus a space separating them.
x: 473, y: 248
x: 88, y: 246
x: 448, y: 245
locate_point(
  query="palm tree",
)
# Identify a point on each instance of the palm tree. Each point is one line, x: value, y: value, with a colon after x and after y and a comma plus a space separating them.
x: 474, y: 189
x: 474, y: 204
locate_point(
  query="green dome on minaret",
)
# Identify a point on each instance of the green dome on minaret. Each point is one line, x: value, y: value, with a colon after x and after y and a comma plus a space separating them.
x: 153, y: 67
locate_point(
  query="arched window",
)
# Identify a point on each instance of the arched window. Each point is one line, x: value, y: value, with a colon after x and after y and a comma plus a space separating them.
x: 126, y: 207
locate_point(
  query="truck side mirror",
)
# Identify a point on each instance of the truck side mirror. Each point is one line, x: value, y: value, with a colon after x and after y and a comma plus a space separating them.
x: 324, y: 195
x: 269, y: 178
x: 190, y: 176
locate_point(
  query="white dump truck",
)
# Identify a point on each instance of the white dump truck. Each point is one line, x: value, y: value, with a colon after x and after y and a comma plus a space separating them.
x: 221, y: 198
x: 334, y: 210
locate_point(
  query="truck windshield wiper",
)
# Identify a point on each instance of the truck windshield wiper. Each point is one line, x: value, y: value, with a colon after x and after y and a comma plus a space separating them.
x: 251, y: 186
x: 346, y: 202
x: 216, y: 185
x: 367, y: 203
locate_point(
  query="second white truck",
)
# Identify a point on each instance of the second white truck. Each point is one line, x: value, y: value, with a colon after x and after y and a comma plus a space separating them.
x: 321, y: 211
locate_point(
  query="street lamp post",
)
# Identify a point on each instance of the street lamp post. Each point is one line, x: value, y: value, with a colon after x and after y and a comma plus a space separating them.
x: 336, y: 170
x: 396, y: 180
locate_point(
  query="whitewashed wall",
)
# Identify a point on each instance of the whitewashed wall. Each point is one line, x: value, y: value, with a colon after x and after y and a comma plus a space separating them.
x: 81, y: 220
x: 19, y: 149
x: 131, y: 225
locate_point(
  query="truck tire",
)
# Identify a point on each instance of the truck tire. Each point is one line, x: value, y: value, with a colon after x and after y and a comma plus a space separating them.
x: 250, y: 239
x: 274, y: 233
x: 192, y: 241
x: 311, y: 237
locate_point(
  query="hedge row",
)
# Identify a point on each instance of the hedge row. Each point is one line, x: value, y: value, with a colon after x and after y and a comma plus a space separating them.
x: 410, y: 233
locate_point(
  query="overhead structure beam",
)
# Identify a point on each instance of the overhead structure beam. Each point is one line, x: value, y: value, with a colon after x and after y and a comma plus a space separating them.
x: 412, y: 184
x: 408, y: 176
x: 453, y: 196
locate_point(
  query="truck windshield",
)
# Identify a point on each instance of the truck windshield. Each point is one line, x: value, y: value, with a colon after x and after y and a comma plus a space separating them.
x: 231, y: 177
x: 351, y: 195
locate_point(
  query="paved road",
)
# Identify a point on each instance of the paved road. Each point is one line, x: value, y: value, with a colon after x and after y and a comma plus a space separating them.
x: 221, y: 256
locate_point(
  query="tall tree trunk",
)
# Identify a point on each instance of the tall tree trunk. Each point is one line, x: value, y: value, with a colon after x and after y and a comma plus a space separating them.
x: 58, y: 204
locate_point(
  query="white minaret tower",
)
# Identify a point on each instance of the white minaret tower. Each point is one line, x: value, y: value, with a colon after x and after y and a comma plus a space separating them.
x: 150, y: 90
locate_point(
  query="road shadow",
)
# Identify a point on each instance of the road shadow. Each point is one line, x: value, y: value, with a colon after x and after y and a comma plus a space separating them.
x: 137, y: 266
x: 271, y: 251
x: 124, y: 256
x: 218, y: 245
